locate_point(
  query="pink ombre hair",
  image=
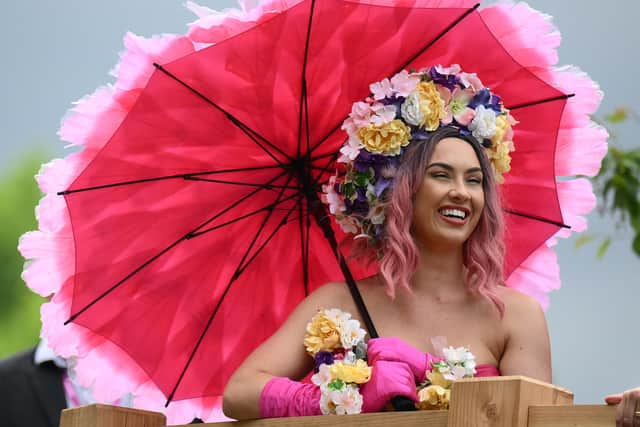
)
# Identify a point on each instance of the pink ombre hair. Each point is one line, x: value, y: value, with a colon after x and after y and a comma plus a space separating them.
x: 483, y: 252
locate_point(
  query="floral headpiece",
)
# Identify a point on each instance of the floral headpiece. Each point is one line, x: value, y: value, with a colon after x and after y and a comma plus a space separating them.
x: 401, y: 110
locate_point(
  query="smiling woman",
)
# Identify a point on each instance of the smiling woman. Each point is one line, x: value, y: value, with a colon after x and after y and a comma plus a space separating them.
x: 422, y: 198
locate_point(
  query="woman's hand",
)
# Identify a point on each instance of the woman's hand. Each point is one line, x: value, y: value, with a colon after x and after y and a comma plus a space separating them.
x: 388, y: 380
x: 628, y: 410
x: 395, y: 350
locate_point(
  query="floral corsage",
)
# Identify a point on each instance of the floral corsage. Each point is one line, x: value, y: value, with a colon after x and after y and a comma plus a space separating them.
x: 336, y: 342
x: 435, y: 392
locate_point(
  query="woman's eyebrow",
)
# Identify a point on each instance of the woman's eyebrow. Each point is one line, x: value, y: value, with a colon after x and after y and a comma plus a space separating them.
x: 450, y: 168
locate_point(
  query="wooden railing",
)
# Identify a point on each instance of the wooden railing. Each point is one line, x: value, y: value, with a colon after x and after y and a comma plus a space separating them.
x: 491, y: 402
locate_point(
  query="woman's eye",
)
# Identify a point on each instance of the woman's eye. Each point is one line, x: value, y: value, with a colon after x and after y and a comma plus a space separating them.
x: 475, y: 180
x: 439, y: 175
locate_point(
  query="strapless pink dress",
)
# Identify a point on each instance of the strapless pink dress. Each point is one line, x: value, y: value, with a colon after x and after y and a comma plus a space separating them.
x: 487, y: 371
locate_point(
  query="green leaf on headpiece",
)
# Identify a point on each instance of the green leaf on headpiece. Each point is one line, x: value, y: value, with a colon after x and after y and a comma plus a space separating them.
x: 361, y: 179
x: 348, y: 189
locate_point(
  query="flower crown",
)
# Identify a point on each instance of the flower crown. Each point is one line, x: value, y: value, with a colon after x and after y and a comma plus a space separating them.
x: 401, y: 110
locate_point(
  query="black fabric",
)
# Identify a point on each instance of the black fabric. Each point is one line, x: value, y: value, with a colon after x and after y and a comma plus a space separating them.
x: 30, y: 394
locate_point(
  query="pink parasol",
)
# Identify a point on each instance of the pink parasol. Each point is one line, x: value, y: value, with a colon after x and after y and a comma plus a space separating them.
x: 189, y: 226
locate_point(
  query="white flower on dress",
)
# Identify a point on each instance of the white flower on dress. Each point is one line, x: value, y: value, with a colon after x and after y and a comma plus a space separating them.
x: 410, y: 109
x: 351, y: 333
x: 347, y: 401
x: 483, y: 125
x: 322, y: 377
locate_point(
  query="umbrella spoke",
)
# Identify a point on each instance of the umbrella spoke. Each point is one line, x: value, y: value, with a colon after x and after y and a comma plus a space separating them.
x: 304, y: 248
x: 303, y: 92
x: 537, y: 218
x: 241, y: 267
x: 406, y: 64
x: 542, y: 101
x: 252, y: 134
x: 270, y: 207
x: 167, y: 249
x: 166, y: 177
x: 247, y: 184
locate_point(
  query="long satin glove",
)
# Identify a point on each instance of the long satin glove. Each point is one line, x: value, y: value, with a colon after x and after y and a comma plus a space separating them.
x: 395, y: 350
x: 282, y: 397
x: 388, y: 380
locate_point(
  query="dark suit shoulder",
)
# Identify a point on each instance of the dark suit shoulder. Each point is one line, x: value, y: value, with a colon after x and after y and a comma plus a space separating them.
x: 18, y: 362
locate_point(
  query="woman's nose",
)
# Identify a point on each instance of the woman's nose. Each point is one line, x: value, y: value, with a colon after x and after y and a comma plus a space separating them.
x: 458, y: 192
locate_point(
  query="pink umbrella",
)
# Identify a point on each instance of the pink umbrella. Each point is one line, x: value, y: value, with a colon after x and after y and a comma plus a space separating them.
x: 191, y: 226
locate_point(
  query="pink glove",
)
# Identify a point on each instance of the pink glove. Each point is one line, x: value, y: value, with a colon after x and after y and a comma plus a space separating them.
x: 388, y: 380
x: 395, y: 350
x: 282, y: 397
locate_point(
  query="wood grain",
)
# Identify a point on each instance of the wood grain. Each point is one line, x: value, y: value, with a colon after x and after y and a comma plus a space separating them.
x: 572, y: 416
x: 110, y: 416
x: 500, y: 401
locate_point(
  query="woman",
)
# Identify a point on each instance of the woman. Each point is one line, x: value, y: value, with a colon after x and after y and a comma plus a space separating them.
x: 440, y: 256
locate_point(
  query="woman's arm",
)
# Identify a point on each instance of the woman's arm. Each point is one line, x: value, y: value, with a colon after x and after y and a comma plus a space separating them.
x: 282, y: 355
x: 527, y: 349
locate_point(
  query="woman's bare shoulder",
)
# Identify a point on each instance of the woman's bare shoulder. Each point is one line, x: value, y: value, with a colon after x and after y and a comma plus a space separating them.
x: 519, y: 307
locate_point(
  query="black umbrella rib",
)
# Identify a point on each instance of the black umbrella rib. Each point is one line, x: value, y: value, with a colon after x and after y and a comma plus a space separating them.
x: 252, y: 134
x: 542, y: 101
x: 303, y: 86
x: 162, y: 178
x: 234, y: 277
x: 439, y: 36
x: 406, y: 64
x: 270, y: 207
x: 304, y: 247
x: 246, y: 184
x: 165, y: 250
x: 537, y: 218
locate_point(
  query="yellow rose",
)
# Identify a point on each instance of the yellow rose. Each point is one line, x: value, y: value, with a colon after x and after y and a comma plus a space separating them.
x: 434, y: 397
x: 500, y: 158
x: 322, y: 334
x: 502, y: 126
x: 431, y: 105
x: 385, y: 139
x: 436, y: 378
x: 358, y: 373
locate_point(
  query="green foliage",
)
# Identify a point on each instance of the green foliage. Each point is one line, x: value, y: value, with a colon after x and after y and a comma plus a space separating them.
x: 618, y: 183
x: 19, y: 313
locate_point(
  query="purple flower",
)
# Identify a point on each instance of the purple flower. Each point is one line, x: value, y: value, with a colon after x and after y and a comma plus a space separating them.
x: 486, y: 99
x: 322, y: 357
x: 449, y: 81
x: 382, y: 184
x: 366, y: 160
x: 358, y: 207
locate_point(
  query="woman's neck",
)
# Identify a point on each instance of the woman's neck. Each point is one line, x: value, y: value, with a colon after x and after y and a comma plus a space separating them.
x: 440, y: 273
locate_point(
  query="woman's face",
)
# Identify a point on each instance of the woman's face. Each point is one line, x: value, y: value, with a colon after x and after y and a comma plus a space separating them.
x: 450, y: 199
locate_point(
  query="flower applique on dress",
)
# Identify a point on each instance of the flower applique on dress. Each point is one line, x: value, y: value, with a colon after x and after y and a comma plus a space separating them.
x: 336, y: 342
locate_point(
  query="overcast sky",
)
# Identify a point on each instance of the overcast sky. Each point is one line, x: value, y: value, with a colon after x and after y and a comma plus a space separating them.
x: 54, y: 52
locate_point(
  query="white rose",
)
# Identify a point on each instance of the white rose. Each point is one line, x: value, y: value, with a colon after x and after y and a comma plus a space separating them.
x: 347, y: 401
x: 350, y: 333
x: 483, y: 125
x: 410, y: 109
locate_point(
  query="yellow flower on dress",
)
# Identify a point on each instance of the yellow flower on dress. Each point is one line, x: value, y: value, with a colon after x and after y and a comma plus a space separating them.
x: 322, y: 334
x: 358, y: 372
x: 434, y: 397
x: 436, y: 378
x: 431, y: 105
x: 385, y: 139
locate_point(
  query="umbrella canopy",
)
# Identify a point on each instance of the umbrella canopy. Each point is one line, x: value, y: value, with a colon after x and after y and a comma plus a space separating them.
x: 190, y: 226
